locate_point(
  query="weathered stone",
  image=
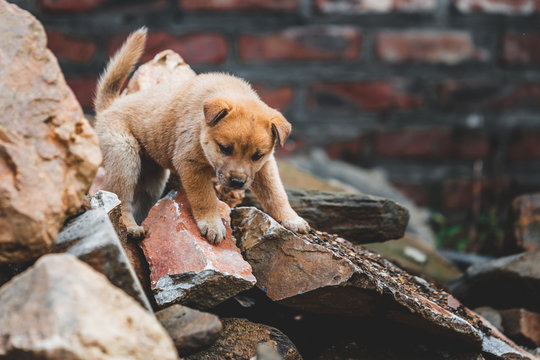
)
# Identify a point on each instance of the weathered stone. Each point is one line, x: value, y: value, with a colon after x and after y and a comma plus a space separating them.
x: 184, y: 267
x: 134, y: 254
x: 239, y: 340
x: 360, y: 218
x: 48, y: 151
x: 329, y: 275
x: 104, y: 200
x: 509, y: 282
x: 91, y: 238
x: 525, y: 234
x: 372, y: 182
x: 190, y: 329
x: 62, y: 309
x: 522, y: 326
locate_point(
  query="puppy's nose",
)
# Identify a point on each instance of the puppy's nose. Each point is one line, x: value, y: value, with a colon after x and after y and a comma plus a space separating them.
x: 236, y: 183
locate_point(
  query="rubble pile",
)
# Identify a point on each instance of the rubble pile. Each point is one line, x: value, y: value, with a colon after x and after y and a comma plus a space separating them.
x: 73, y: 286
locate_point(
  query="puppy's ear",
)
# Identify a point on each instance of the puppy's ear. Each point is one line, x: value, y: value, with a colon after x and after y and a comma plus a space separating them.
x: 281, y: 129
x: 215, y: 110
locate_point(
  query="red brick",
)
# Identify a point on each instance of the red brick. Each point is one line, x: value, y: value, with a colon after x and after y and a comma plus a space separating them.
x: 525, y: 147
x: 436, y: 47
x: 354, y: 96
x: 521, y: 48
x: 196, y: 49
x: 84, y: 89
x: 239, y: 5
x: 489, y: 95
x: 472, y: 147
x: 424, y: 143
x: 375, y: 6
x: 70, y: 5
x: 522, y: 326
x: 279, y: 98
x: 507, y: 7
x: 345, y: 149
x: 520, y: 96
x: 419, y: 194
x: 465, y: 194
x: 303, y: 43
x: 68, y: 48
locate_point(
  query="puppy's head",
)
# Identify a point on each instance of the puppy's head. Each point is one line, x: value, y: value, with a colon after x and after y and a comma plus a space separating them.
x: 239, y: 136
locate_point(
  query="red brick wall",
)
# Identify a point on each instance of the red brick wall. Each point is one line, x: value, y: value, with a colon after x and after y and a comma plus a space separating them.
x: 423, y: 89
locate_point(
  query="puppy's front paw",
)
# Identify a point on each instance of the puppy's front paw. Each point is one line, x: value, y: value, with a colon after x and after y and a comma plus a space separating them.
x: 296, y: 224
x: 213, y: 230
x: 135, y: 232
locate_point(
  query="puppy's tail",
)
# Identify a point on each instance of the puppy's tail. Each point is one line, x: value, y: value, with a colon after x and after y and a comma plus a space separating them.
x: 118, y: 69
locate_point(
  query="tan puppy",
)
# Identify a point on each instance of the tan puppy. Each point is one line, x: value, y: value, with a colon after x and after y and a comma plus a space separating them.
x: 212, y: 125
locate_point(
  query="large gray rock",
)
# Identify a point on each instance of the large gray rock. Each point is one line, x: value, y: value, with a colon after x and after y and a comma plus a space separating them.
x: 190, y: 329
x: 239, y: 340
x: 48, y: 151
x: 91, y: 238
x: 330, y: 275
x: 62, y: 309
x: 359, y: 218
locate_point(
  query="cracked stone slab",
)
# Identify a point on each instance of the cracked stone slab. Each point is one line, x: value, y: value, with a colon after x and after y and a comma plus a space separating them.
x: 184, y: 267
x: 91, y: 238
x: 332, y: 276
x: 360, y: 218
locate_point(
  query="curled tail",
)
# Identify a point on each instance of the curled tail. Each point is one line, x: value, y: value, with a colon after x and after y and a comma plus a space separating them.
x: 118, y: 69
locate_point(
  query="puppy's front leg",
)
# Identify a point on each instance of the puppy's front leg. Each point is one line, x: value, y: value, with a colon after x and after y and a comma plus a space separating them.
x: 197, y: 181
x: 268, y: 188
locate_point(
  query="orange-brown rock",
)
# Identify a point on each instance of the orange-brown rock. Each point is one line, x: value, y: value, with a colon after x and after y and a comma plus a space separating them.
x: 48, y: 151
x: 523, y: 326
x: 526, y: 222
x: 184, y: 267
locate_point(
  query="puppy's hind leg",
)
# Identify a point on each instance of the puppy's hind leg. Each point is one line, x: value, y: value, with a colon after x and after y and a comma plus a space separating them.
x: 150, y: 186
x: 122, y: 162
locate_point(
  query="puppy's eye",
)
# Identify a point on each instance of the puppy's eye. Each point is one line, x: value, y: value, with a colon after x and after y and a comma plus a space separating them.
x: 225, y: 149
x: 256, y: 156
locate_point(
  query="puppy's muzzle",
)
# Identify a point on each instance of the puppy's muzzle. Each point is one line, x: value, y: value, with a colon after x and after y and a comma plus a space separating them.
x: 236, y: 183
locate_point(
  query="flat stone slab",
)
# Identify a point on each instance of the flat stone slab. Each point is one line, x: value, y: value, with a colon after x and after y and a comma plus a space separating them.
x: 330, y: 275
x: 359, y: 218
x: 91, y: 238
x: 184, y: 267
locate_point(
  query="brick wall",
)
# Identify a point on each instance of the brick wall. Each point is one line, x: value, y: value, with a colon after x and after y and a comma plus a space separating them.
x: 444, y: 95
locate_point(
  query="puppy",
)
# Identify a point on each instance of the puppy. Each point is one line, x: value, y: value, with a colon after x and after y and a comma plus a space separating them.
x: 211, y: 125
